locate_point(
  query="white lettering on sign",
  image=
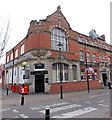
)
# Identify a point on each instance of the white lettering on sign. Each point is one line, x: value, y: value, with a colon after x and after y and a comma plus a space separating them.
x: 22, y: 90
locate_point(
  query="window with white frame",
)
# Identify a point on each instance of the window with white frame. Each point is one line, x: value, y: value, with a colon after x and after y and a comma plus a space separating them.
x: 59, y: 35
x: 92, y: 43
x: 10, y: 76
x: 56, y: 72
x: 11, y: 56
x: 8, y: 58
x: 16, y: 53
x: 80, y: 39
x: 100, y: 58
x: 88, y: 56
x: 81, y: 55
x: 22, y: 49
x: 108, y: 60
x: 82, y: 74
x: 94, y: 57
x: 74, y: 68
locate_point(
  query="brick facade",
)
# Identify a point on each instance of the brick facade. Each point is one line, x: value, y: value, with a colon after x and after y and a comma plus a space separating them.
x: 38, y: 50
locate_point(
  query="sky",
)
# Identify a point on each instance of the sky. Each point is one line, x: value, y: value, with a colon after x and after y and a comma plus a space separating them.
x: 82, y: 15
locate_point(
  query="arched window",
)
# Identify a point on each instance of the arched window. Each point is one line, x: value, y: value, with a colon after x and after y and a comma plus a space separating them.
x: 59, y: 35
x: 56, y: 72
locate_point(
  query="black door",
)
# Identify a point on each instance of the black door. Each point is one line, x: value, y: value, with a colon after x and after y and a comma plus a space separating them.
x: 39, y: 83
x: 104, y: 77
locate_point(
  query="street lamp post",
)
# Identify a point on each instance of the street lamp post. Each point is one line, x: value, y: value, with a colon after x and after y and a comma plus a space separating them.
x: 61, y: 89
x: 22, y: 98
x: 87, y: 76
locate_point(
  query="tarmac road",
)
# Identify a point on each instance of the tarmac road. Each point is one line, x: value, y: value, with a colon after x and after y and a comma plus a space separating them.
x: 95, y: 104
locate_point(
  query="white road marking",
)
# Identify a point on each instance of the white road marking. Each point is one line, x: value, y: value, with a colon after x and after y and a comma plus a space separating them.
x: 75, y: 113
x: 5, y: 109
x: 15, y: 111
x: 92, y: 97
x: 24, y: 116
x: 56, y: 104
x: 103, y: 100
x: 61, y: 108
x: 103, y: 105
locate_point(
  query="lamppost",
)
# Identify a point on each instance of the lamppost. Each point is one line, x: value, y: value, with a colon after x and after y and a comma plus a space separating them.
x: 87, y: 76
x: 61, y: 89
x: 22, y: 98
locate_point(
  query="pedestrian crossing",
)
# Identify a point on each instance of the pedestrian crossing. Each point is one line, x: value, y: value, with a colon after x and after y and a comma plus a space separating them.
x: 68, y: 110
x: 75, y: 113
x: 61, y: 108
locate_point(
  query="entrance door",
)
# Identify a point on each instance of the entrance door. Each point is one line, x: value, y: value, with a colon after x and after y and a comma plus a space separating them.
x: 104, y: 77
x: 39, y: 83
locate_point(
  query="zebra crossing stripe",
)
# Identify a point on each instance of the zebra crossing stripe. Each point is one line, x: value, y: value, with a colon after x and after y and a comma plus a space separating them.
x: 53, y: 105
x: 15, y: 111
x: 104, y: 105
x: 75, y: 113
x: 24, y: 116
x: 61, y: 108
x: 5, y: 109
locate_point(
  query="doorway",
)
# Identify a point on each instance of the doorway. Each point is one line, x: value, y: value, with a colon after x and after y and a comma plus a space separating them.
x: 39, y: 83
x: 104, y: 78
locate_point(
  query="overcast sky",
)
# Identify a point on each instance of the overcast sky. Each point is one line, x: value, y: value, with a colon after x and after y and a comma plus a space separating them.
x: 82, y: 15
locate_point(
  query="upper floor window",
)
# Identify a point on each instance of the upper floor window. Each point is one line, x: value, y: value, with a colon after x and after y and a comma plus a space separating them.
x: 92, y: 43
x: 16, y: 53
x: 81, y: 55
x: 11, y: 56
x: 88, y: 56
x: 94, y: 57
x: 80, y: 39
x: 8, y: 58
x: 57, y: 36
x: 108, y: 60
x: 22, y: 49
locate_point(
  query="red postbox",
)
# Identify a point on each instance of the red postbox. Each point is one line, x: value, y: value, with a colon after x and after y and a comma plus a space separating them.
x: 24, y: 89
x: 14, y: 88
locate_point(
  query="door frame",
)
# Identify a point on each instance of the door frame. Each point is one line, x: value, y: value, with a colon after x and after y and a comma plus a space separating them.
x: 43, y: 83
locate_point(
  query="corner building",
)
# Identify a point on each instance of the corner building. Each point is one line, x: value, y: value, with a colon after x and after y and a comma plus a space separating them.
x: 40, y: 49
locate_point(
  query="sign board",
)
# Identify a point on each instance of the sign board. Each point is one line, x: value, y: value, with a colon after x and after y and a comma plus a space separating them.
x: 89, y: 70
x: 26, y: 76
x: 38, y: 72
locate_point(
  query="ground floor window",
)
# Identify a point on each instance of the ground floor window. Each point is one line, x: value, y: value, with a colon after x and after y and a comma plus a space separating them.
x: 82, y: 74
x: 74, y: 69
x: 93, y: 76
x: 56, y: 68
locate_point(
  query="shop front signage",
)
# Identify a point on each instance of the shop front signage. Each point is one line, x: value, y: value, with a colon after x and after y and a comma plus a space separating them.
x: 38, y: 72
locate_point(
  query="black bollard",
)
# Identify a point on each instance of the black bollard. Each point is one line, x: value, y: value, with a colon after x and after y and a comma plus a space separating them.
x: 47, y: 113
x: 7, y: 91
x: 22, y: 99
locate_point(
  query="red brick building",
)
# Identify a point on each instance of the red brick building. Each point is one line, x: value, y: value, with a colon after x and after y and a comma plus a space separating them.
x: 40, y: 49
x: 2, y: 75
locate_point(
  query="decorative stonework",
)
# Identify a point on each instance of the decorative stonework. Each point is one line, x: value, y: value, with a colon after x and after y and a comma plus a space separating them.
x: 40, y: 52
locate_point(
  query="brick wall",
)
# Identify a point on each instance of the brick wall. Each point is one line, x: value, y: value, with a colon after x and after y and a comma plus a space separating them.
x: 74, y: 86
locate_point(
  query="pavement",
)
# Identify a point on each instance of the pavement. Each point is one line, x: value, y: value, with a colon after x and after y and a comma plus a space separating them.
x: 14, y: 99
x: 35, y: 104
